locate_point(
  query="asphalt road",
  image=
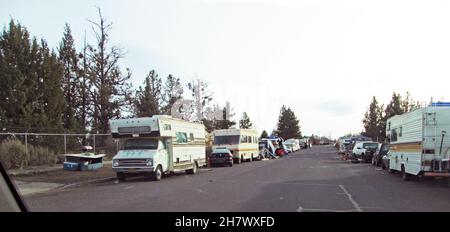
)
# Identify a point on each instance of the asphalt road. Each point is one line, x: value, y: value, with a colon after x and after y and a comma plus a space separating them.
x: 308, y: 180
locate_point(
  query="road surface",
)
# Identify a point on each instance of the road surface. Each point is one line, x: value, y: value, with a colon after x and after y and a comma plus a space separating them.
x: 308, y: 180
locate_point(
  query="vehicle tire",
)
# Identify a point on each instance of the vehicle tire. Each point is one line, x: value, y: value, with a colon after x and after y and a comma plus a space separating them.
x: 121, y: 176
x: 383, y: 166
x: 193, y: 170
x: 405, y: 176
x: 157, y: 174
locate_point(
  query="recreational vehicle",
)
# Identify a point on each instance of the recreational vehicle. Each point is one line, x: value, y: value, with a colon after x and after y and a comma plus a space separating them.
x: 419, y: 144
x: 243, y: 143
x: 158, y: 145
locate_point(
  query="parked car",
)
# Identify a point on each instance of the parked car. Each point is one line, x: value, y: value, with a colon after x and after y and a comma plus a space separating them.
x: 221, y: 157
x: 382, y: 150
x: 292, y: 145
x: 364, y: 150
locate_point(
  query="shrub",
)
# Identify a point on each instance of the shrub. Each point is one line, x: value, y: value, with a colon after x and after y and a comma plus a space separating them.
x: 41, y: 155
x: 13, y: 154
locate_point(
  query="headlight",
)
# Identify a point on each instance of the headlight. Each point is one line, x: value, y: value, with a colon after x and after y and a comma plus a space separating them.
x: 149, y: 162
x: 115, y: 163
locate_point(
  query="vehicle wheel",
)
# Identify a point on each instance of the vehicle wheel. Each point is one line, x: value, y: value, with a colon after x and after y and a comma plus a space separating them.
x: 157, y: 175
x: 121, y: 176
x: 405, y: 176
x: 193, y: 170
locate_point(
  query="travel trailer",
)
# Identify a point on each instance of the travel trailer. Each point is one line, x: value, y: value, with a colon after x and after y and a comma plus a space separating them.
x: 243, y: 143
x: 419, y: 144
x: 158, y: 145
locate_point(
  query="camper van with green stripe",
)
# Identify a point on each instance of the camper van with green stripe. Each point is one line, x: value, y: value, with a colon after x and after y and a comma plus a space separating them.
x: 157, y: 145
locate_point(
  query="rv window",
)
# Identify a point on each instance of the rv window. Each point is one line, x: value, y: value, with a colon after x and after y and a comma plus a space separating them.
x: 401, y: 132
x: 389, y: 126
x: 243, y: 139
x: 134, y: 144
x: 394, y: 135
x: 191, y: 137
x: 181, y: 137
x: 226, y: 139
x: 167, y: 127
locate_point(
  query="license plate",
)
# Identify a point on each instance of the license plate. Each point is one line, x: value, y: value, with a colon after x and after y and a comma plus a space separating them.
x: 131, y: 170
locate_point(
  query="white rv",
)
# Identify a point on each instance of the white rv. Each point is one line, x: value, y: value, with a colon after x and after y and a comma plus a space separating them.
x: 419, y: 143
x: 243, y: 143
x: 157, y: 145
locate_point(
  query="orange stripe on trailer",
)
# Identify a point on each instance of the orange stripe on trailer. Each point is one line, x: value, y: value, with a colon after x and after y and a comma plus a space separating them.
x: 437, y: 174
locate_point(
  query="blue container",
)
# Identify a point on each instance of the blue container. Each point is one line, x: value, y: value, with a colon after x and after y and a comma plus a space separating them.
x: 70, y: 166
x: 442, y: 104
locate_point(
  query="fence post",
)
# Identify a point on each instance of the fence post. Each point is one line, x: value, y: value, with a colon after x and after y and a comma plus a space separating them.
x: 65, y: 144
x: 26, y: 144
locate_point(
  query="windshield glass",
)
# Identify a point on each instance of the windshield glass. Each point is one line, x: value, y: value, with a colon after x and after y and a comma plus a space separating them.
x: 133, y: 144
x: 226, y: 139
x: 370, y: 145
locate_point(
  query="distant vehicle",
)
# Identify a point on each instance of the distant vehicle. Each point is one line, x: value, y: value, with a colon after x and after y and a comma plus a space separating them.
x: 221, y: 157
x: 266, y: 149
x: 364, y: 150
x: 280, y: 148
x: 157, y: 145
x: 242, y: 143
x: 343, y: 145
x: 292, y: 144
x: 381, y: 151
x: 419, y: 144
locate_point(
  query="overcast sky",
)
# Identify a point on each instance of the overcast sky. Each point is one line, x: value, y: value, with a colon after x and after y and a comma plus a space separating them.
x: 324, y: 59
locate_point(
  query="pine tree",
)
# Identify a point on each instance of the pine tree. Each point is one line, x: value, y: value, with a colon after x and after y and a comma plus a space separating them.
x: 245, y: 123
x: 111, y: 88
x: 173, y: 91
x: 148, y: 100
x: 288, y: 124
x: 51, y: 100
x: 226, y: 122
x: 71, y: 81
x: 372, y: 120
x: 264, y: 134
x: 16, y: 68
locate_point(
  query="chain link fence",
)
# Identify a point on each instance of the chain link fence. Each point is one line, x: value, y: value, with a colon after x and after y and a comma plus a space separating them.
x: 19, y: 150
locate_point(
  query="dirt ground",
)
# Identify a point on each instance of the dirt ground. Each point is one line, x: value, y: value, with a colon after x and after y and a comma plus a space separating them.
x: 68, y: 177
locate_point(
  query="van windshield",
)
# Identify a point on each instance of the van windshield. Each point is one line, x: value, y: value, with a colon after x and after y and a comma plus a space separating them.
x: 226, y: 139
x: 133, y: 144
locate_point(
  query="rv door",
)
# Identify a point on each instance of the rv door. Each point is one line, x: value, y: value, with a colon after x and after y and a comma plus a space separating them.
x: 169, y: 149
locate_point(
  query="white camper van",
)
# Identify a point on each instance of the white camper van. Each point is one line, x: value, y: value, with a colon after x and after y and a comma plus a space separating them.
x: 419, y: 143
x: 243, y: 143
x: 157, y: 145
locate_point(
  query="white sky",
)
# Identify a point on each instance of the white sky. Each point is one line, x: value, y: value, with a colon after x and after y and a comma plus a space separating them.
x: 324, y: 59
